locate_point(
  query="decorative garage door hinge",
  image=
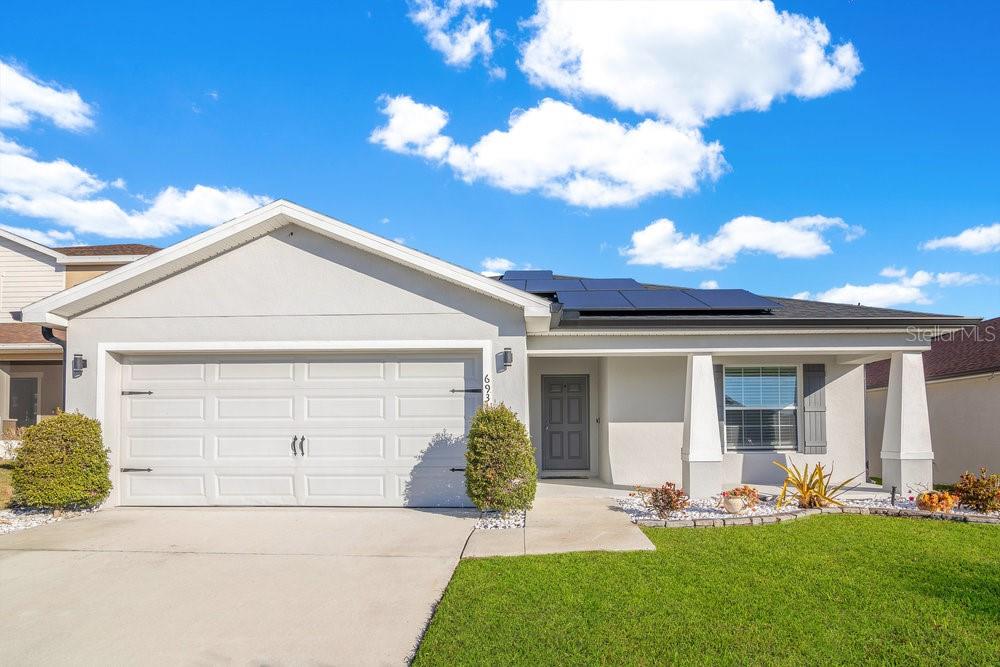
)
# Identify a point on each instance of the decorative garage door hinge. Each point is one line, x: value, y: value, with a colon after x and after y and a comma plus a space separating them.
x: 136, y: 393
x: 467, y: 391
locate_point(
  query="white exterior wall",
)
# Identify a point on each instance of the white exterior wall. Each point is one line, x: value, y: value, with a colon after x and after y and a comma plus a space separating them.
x: 645, y: 420
x: 25, y: 277
x: 287, y: 287
x: 965, y: 425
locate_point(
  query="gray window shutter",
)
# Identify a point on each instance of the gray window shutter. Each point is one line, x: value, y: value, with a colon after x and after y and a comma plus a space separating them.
x: 720, y: 401
x: 814, y: 408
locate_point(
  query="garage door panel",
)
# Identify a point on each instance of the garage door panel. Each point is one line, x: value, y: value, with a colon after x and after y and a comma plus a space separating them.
x: 250, y: 371
x: 253, y: 446
x: 342, y: 487
x: 346, y: 447
x: 165, y: 408
x: 166, y: 488
x: 345, y: 370
x: 165, y: 372
x: 165, y: 446
x: 218, y: 431
x: 345, y: 408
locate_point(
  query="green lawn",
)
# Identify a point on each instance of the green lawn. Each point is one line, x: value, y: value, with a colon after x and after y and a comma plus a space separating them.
x: 823, y: 590
x: 5, y: 491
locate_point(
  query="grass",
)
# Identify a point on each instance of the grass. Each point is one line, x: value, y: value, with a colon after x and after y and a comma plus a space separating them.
x: 825, y: 590
x: 6, y: 467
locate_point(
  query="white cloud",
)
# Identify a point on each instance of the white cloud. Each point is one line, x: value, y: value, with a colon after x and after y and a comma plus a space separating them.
x: 24, y: 98
x: 493, y: 266
x: 456, y: 29
x: 384, y: 221
x: 74, y: 198
x: 560, y: 152
x: 975, y: 239
x: 906, y: 288
x: 400, y: 240
x: 686, y: 61
x: 11, y: 147
x: 709, y: 284
x: 661, y: 244
x: 50, y: 237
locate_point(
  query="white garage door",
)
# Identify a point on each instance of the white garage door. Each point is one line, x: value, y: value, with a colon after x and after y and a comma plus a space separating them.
x: 332, y: 430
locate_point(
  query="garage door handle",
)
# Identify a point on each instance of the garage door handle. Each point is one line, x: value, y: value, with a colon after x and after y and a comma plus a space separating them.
x: 137, y: 470
x: 302, y: 445
x: 295, y: 439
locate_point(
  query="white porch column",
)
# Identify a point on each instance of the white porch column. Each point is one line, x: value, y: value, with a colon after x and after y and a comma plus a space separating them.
x: 907, y: 456
x: 701, y: 451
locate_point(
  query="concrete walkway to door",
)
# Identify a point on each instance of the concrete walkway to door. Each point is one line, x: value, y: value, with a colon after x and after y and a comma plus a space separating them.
x: 249, y: 586
x: 568, y: 515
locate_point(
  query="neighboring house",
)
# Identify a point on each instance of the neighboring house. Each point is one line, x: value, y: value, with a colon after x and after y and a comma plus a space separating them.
x: 287, y: 358
x: 962, y: 371
x: 31, y: 366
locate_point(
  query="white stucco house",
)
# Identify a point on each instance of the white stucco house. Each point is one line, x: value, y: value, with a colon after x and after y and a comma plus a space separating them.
x: 287, y: 358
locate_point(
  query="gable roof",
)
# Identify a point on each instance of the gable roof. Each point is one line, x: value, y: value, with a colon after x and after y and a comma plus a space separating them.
x: 972, y: 351
x: 57, y: 309
x: 119, y: 253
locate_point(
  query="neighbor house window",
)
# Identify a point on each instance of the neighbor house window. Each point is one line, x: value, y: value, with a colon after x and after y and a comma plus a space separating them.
x: 760, y: 407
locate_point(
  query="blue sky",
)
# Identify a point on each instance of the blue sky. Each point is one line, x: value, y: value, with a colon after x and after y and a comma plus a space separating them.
x: 892, y: 132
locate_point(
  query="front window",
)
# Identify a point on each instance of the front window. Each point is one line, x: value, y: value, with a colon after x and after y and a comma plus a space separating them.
x: 760, y: 408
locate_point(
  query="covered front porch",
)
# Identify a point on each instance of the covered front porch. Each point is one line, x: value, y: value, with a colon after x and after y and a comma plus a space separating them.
x: 630, y: 410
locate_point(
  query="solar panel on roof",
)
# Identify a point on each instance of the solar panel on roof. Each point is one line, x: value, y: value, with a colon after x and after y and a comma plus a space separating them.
x: 732, y: 299
x: 526, y: 275
x: 550, y: 285
x: 519, y: 284
x: 609, y: 283
x: 594, y: 300
x: 669, y: 299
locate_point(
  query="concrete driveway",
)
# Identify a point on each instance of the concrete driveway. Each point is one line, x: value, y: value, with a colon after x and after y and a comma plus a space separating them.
x: 247, y: 586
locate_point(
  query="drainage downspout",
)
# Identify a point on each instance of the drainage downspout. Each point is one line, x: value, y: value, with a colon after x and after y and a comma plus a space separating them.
x: 48, y: 335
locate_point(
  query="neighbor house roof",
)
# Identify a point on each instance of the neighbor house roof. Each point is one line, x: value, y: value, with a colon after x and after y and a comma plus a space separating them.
x: 18, y: 334
x: 972, y: 351
x: 108, y: 250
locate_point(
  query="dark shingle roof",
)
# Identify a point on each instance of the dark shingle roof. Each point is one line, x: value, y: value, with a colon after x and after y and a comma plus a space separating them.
x: 968, y: 352
x: 115, y: 249
x: 791, y: 312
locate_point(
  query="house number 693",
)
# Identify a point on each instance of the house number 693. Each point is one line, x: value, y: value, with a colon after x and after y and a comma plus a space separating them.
x: 487, y: 394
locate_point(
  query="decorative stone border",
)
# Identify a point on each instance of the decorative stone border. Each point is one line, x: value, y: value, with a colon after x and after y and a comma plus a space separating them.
x: 797, y: 514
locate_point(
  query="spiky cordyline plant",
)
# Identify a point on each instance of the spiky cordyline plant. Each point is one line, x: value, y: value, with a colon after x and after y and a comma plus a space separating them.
x: 810, y: 489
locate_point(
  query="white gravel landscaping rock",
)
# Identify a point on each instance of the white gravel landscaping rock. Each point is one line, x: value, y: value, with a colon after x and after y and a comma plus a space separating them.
x: 12, y: 520
x: 709, y: 508
x: 700, y: 508
x: 498, y: 521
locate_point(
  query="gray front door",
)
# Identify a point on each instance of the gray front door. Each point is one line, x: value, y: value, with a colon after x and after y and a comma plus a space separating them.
x: 565, y: 422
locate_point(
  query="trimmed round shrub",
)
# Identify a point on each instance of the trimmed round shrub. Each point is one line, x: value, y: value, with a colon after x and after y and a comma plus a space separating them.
x: 62, y: 463
x: 500, y: 471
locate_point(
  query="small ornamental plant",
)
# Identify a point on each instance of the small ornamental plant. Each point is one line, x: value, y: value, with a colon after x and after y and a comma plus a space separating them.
x: 663, y: 499
x: 981, y: 493
x: 739, y: 499
x: 937, y: 501
x: 62, y: 464
x: 500, y: 469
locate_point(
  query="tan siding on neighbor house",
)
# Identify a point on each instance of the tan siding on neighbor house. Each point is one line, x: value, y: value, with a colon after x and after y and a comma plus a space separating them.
x: 81, y: 273
x: 965, y: 425
x: 25, y: 277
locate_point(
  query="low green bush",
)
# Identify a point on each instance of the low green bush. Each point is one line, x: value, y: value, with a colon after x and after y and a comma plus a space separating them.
x: 981, y: 493
x: 500, y: 471
x: 62, y: 463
